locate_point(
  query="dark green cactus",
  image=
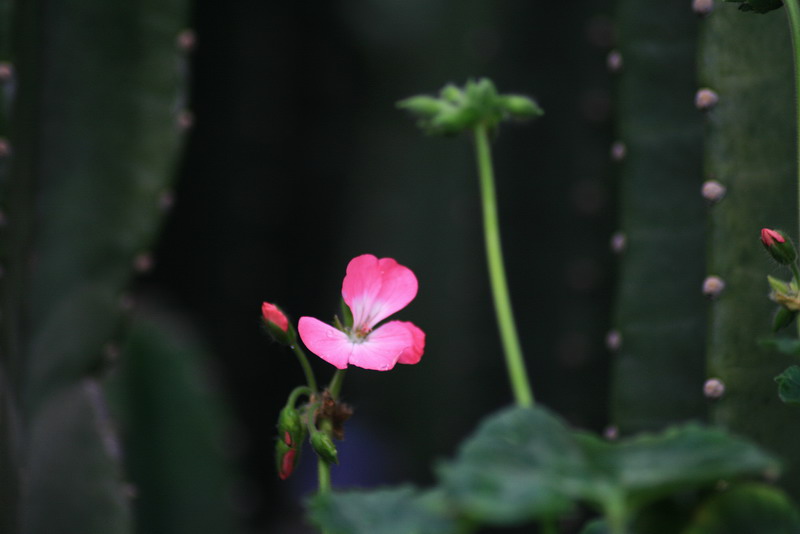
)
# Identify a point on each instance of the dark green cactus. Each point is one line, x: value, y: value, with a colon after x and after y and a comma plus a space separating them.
x: 660, y: 311
x: 173, y: 425
x: 746, y: 60
x: 93, y: 134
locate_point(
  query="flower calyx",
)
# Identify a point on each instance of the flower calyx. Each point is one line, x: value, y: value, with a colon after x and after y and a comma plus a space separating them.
x: 779, y: 246
x: 458, y: 109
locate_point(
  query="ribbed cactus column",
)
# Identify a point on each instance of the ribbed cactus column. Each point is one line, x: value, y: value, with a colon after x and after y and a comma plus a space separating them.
x: 659, y: 316
x: 746, y: 60
x: 93, y: 140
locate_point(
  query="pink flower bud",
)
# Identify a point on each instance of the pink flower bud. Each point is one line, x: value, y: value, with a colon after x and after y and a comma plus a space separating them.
x: 781, y: 249
x: 769, y: 237
x: 275, y: 316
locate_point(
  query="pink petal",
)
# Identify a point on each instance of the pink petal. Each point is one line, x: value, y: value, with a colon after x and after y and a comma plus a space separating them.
x: 413, y: 354
x: 380, y: 350
x: 376, y: 288
x: 325, y: 341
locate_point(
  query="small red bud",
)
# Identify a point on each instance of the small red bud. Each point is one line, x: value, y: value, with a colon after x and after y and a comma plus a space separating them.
x: 779, y: 247
x: 274, y: 315
x: 287, y: 463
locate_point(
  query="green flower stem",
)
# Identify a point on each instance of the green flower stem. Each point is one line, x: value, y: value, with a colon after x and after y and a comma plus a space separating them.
x: 494, y: 255
x: 336, y: 383
x: 323, y: 467
x: 303, y: 359
x: 295, y: 394
x: 795, y: 273
x: 793, y: 12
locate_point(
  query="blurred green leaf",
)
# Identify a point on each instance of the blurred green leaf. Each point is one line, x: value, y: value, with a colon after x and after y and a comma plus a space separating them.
x: 525, y: 463
x: 789, y: 385
x: 747, y: 509
x: 403, y: 510
x: 520, y: 464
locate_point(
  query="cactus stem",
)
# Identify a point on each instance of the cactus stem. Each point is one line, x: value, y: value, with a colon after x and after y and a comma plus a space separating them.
x: 793, y: 13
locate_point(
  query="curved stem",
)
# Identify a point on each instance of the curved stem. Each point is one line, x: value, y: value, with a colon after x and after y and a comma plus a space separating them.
x: 303, y: 359
x: 336, y: 383
x: 494, y: 255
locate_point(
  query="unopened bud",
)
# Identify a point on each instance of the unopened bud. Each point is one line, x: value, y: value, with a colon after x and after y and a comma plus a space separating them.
x: 520, y: 107
x: 285, y: 459
x: 277, y: 324
x: 423, y: 106
x: 324, y: 447
x: 291, y: 427
x: 779, y: 247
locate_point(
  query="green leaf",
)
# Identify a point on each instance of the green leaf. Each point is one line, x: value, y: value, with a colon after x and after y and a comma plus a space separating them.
x: 650, y: 467
x: 521, y: 464
x: 784, y: 345
x: 598, y: 526
x: 746, y: 509
x: 524, y: 464
x: 402, y: 510
x: 789, y: 385
x: 758, y: 6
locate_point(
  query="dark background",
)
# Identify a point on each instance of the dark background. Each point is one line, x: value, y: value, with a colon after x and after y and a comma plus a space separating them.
x: 298, y: 161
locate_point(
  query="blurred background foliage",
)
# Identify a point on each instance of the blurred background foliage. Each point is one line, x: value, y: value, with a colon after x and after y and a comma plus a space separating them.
x: 298, y: 161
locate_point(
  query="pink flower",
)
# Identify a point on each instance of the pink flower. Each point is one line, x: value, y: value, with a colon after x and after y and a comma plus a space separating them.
x: 275, y: 316
x: 373, y: 289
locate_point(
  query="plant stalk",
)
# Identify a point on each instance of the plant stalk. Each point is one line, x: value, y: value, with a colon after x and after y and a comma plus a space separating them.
x: 303, y: 359
x: 494, y: 256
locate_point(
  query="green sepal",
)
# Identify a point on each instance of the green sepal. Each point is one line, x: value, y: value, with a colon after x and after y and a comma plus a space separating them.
x: 789, y: 385
x: 521, y: 107
x: 291, y: 423
x: 347, y: 314
x: 778, y: 285
x: 287, y: 338
x: 324, y: 447
x: 783, y: 318
x: 782, y: 252
x: 758, y: 6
